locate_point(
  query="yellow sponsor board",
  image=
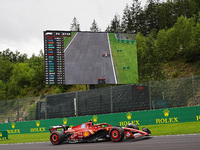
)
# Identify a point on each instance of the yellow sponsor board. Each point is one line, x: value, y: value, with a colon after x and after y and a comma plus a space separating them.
x: 165, y: 119
x: 3, y: 138
x: 65, y: 121
x: 37, y: 123
x: 125, y: 123
x: 94, y: 118
x: 129, y: 117
x: 40, y: 129
x: 13, y: 131
x: 3, y: 135
x: 13, y: 125
x: 166, y: 112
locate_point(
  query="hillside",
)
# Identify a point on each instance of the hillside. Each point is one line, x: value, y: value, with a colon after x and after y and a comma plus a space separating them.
x: 178, y: 68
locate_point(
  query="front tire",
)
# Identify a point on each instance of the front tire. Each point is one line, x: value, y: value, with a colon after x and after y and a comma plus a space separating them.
x: 117, y: 134
x: 57, y: 137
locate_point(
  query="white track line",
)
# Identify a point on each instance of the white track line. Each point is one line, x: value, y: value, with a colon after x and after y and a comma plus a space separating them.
x: 112, y: 60
x: 70, y: 41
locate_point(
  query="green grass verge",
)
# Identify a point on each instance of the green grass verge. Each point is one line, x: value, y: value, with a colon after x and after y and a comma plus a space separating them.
x: 127, y: 57
x: 68, y: 39
x: 156, y: 130
x: 27, y: 138
x: 175, y: 128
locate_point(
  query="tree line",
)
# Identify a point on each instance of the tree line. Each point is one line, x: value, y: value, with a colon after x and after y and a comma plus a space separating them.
x: 159, y: 47
x: 18, y: 74
x: 156, y: 14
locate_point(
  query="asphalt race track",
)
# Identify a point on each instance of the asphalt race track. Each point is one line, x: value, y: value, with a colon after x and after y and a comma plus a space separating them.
x: 178, y: 142
x: 84, y: 62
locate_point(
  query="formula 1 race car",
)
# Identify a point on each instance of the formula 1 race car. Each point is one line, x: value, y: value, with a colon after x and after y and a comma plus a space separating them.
x: 106, y: 55
x: 87, y: 132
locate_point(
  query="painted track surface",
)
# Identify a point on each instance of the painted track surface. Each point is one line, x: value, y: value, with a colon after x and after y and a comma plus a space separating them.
x: 182, y: 142
x: 84, y: 63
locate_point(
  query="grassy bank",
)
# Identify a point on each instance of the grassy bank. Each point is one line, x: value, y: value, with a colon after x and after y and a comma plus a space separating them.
x: 68, y: 39
x: 157, y: 130
x: 125, y: 61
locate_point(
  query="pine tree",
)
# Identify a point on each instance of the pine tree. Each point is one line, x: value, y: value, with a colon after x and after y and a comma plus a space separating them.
x: 115, y: 24
x: 126, y: 24
x: 108, y: 29
x: 75, y: 26
x: 152, y: 15
x: 135, y: 14
x: 94, y: 27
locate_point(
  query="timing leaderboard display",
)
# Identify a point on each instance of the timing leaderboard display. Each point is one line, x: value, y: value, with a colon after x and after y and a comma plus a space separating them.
x: 54, y: 56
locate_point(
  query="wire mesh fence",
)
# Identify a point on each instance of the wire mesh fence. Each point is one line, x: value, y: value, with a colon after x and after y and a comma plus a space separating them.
x: 100, y: 101
x: 122, y: 98
x: 18, y: 109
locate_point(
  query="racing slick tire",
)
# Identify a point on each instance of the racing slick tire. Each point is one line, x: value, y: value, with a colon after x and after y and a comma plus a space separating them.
x: 117, y: 134
x: 133, y: 126
x: 146, y: 130
x: 57, y: 137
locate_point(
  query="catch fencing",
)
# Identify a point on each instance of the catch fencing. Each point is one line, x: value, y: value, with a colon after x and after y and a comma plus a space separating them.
x: 153, y: 95
x: 123, y: 98
x: 112, y: 99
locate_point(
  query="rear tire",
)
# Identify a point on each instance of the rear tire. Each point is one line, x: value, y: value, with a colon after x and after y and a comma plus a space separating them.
x: 57, y: 137
x: 117, y: 134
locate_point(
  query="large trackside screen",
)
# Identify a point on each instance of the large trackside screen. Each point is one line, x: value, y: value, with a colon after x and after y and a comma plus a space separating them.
x: 89, y: 58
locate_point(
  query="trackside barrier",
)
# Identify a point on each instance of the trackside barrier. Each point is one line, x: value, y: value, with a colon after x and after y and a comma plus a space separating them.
x: 123, y: 40
x: 150, y: 117
x: 3, y: 135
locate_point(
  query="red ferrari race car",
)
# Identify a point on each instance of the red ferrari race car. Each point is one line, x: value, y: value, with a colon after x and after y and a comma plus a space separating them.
x: 106, y: 55
x: 87, y: 132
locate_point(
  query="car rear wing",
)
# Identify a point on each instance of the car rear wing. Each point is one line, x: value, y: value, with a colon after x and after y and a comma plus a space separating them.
x: 59, y: 128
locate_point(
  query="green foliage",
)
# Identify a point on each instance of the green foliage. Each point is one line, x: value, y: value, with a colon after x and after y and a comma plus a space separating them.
x: 19, y: 74
x: 13, y: 57
x: 59, y: 89
x: 2, y: 90
x: 149, y: 58
x: 31, y: 112
x: 20, y: 79
x: 6, y: 70
x: 175, y: 73
x: 156, y: 49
